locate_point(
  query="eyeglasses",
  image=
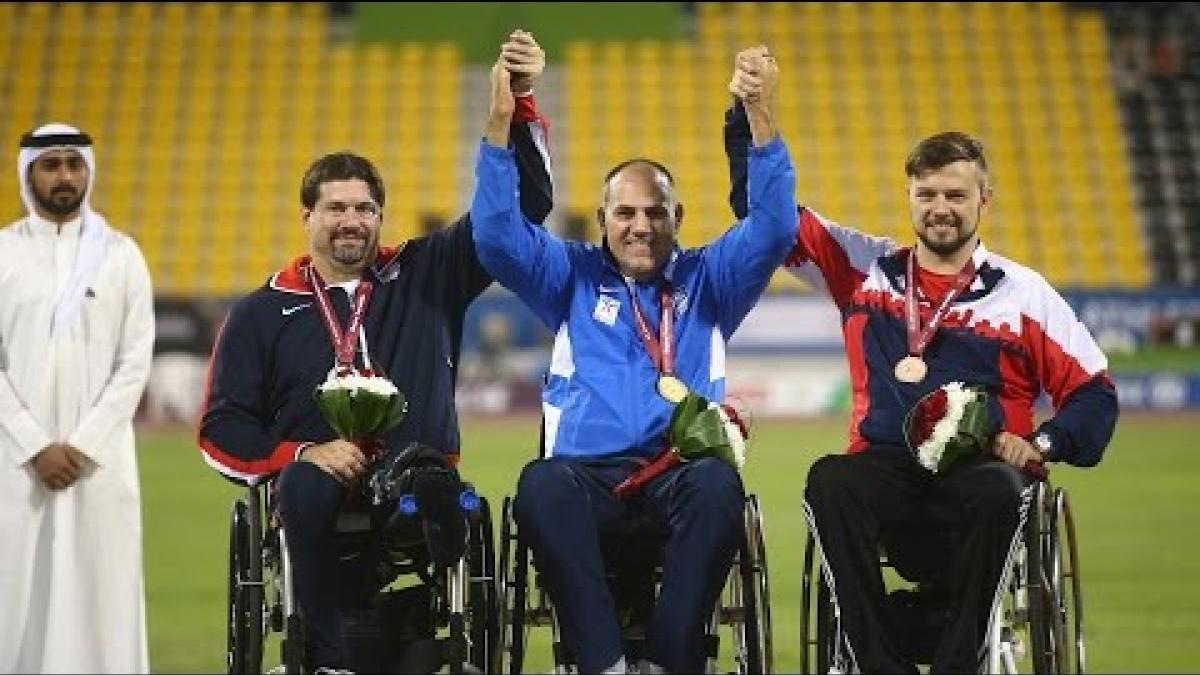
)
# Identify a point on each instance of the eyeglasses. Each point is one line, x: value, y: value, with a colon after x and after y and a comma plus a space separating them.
x: 364, y: 210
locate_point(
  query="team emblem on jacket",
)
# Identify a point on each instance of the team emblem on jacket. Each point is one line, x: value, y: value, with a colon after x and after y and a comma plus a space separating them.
x: 606, y: 310
x: 680, y: 302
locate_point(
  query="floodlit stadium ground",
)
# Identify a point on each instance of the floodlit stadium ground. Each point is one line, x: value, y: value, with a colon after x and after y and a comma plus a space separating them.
x: 1136, y: 514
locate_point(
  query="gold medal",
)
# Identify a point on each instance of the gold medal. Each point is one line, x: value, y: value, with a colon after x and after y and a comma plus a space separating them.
x: 911, y: 369
x: 672, y: 388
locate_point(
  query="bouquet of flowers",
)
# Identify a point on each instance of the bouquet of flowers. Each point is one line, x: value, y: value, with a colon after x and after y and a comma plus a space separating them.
x: 360, y: 405
x: 699, y: 428
x: 947, y: 424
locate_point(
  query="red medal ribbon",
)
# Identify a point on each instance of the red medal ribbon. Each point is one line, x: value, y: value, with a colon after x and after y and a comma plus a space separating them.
x: 662, y: 348
x: 918, y: 337
x: 343, y: 342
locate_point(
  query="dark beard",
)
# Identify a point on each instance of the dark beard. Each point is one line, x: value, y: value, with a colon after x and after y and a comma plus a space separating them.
x: 947, y: 248
x: 353, y: 255
x: 57, y: 207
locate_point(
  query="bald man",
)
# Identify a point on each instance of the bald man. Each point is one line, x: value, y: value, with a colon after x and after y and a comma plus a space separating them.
x: 639, y: 323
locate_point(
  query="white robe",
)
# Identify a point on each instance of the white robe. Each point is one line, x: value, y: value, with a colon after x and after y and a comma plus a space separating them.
x: 71, y: 591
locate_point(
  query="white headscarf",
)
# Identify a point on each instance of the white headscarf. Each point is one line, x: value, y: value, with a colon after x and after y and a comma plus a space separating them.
x: 93, y: 227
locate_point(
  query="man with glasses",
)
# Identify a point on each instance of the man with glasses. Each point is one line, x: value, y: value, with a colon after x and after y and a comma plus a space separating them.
x: 396, y: 311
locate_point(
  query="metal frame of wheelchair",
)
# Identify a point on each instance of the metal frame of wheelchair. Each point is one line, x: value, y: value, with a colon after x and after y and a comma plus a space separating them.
x: 744, y: 605
x: 261, y: 600
x: 1036, y: 627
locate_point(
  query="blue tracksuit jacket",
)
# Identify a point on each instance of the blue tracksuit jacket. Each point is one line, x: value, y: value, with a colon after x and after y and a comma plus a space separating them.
x: 600, y: 398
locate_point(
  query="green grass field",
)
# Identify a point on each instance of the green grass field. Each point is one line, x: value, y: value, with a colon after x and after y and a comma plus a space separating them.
x: 1138, y: 560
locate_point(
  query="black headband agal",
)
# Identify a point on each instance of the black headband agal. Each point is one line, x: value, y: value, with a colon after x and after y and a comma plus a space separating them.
x: 51, y: 140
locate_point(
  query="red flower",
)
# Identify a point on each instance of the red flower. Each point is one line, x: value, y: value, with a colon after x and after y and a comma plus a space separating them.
x: 929, y: 410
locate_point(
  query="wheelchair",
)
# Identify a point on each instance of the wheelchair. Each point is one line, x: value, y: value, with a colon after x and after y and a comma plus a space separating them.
x: 422, y: 616
x: 1037, y: 626
x: 633, y: 569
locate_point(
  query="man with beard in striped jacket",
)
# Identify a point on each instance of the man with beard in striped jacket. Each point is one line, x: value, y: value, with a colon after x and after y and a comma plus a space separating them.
x: 915, y: 319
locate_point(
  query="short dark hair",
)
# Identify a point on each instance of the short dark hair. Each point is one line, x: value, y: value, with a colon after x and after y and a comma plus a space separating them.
x: 657, y: 166
x: 340, y: 166
x: 942, y: 149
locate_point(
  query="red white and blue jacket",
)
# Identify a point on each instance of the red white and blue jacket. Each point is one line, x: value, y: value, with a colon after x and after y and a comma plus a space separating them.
x: 1009, y: 331
x: 273, y: 349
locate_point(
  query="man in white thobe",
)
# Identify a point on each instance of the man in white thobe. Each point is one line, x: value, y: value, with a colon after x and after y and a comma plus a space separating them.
x: 76, y: 339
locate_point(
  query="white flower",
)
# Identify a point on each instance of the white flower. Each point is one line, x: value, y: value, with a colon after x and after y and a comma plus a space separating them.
x: 356, y: 381
x: 957, y: 398
x: 734, y: 433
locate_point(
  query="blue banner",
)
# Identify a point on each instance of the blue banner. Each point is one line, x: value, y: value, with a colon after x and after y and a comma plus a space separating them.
x: 1162, y: 392
x: 1131, y: 319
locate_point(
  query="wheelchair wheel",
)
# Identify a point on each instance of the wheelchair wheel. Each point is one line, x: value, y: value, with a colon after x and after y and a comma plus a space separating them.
x: 512, y: 591
x: 283, y: 613
x: 754, y: 640
x: 1044, y: 630
x: 817, y: 635
x: 244, y: 637
x: 1064, y: 577
x: 482, y: 623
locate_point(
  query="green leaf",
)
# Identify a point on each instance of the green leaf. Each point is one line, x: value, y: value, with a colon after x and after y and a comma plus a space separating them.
x: 358, y: 414
x: 373, y: 410
x: 696, y: 431
x: 972, y: 433
x: 335, y: 406
x: 397, y: 409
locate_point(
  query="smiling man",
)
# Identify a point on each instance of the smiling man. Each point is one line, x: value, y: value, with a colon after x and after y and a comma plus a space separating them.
x: 397, y: 311
x: 914, y: 320
x: 639, y: 322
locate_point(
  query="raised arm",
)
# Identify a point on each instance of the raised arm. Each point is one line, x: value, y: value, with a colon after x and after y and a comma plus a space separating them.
x: 741, y: 262
x: 529, y: 133
x: 527, y: 259
x: 825, y: 254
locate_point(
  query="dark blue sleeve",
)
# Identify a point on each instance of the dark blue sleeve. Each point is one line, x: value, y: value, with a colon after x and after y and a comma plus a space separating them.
x: 528, y: 141
x: 737, y: 146
x: 234, y: 432
x: 1083, y: 426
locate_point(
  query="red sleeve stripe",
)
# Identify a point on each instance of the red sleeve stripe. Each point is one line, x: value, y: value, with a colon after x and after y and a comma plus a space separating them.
x: 861, y: 397
x: 527, y: 111
x: 249, y: 471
